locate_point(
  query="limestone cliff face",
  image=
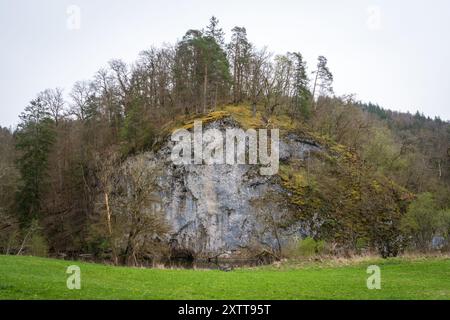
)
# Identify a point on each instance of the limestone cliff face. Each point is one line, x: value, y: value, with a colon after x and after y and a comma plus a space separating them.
x: 211, y: 207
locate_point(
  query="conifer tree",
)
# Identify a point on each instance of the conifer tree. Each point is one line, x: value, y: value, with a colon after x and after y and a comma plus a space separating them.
x: 35, y: 136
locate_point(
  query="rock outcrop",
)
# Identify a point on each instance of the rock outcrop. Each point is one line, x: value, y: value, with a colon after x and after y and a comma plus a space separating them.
x: 322, y: 190
x: 211, y: 207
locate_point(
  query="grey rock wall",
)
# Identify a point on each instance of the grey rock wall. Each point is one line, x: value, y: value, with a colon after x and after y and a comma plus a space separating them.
x: 210, y: 207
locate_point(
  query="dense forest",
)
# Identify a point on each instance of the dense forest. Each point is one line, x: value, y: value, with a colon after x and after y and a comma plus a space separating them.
x: 54, y: 166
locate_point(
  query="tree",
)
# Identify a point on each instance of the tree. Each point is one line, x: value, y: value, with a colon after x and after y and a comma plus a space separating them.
x: 275, y: 214
x: 8, y: 172
x: 301, y: 93
x: 137, y: 131
x: 35, y: 137
x: 9, y: 233
x: 213, y: 31
x: 9, y: 176
x: 239, y: 53
x: 122, y: 82
x: 109, y: 102
x: 135, y: 209
x: 277, y: 83
x: 424, y: 220
x: 323, y: 79
x: 200, y: 64
x: 152, y: 81
x: 106, y: 164
x: 259, y: 64
x: 54, y: 102
x: 82, y: 107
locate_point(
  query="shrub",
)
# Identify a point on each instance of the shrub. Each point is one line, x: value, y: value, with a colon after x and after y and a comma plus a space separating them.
x: 9, y: 234
x: 309, y: 247
x: 38, y: 246
x: 361, y: 245
x: 424, y: 220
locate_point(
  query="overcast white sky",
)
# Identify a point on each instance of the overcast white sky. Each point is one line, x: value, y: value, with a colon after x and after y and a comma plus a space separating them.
x: 395, y: 53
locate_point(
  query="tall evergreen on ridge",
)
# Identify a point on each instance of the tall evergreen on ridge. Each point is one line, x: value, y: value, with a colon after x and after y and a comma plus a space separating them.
x: 323, y: 79
x: 201, y: 70
x: 35, y: 136
x: 301, y: 95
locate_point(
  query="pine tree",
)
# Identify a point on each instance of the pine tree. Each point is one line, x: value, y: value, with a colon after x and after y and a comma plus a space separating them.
x: 201, y: 68
x: 323, y: 78
x: 213, y: 31
x: 35, y: 136
x: 301, y: 95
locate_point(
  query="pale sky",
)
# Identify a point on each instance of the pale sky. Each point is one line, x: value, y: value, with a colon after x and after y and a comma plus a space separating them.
x: 394, y: 53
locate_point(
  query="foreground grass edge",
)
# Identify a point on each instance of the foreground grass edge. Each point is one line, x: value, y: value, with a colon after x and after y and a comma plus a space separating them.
x: 411, y: 277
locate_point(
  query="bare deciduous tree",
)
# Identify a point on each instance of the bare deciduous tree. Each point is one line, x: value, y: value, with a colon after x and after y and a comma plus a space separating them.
x: 137, y: 213
x: 81, y: 94
x: 54, y: 101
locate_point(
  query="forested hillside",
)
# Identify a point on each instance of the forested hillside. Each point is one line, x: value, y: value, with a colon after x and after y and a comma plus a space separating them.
x: 56, y: 195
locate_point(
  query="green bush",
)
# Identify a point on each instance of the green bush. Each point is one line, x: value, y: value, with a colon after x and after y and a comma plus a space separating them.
x: 309, y: 247
x: 38, y: 246
x: 424, y: 220
x: 361, y: 245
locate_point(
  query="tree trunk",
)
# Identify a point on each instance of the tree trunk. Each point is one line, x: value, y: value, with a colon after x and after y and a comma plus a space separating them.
x: 313, y: 105
x: 440, y: 169
x: 235, y: 73
x: 215, y: 98
x: 108, y: 220
x: 108, y: 213
x: 129, y: 250
x: 205, y: 87
x: 23, y: 242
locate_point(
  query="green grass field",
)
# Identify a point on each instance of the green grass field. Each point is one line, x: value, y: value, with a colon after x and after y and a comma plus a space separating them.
x: 40, y: 278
